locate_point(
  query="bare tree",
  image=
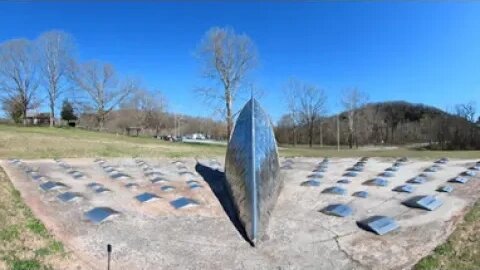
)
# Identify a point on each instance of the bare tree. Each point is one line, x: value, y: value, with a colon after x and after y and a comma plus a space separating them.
x: 104, y: 89
x: 18, y: 80
x: 311, y: 106
x: 352, y: 100
x: 466, y: 111
x: 55, y: 55
x: 11, y: 106
x: 155, y: 116
x: 227, y: 57
x: 149, y: 109
x: 291, y: 91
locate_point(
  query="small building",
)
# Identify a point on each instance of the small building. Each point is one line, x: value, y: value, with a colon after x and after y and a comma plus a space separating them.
x: 133, y: 131
x: 38, y: 119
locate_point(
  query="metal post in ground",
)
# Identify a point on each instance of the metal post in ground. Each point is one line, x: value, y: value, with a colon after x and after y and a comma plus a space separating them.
x: 109, y: 251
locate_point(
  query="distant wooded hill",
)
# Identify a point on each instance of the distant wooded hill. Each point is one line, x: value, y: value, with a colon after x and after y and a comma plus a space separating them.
x: 390, y: 123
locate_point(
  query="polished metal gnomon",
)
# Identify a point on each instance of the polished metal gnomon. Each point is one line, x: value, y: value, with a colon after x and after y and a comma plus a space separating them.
x: 252, y: 169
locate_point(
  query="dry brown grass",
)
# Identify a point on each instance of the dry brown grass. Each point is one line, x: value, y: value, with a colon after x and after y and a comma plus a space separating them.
x: 41, y: 142
x: 44, y: 142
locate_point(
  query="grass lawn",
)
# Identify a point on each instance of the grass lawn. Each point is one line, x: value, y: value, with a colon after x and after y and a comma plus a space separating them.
x: 462, y: 249
x: 44, y: 142
x: 25, y: 243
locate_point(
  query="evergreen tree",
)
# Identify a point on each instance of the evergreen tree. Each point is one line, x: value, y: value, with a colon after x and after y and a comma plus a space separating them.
x: 68, y: 112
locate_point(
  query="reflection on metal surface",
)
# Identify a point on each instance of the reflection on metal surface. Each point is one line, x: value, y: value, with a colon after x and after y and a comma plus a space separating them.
x: 131, y: 185
x: 69, y: 196
x: 350, y: 174
x: 378, y: 224
x: 417, y: 180
x: 445, y: 188
x: 356, y: 168
x: 320, y: 170
x: 167, y: 188
x: 392, y: 169
x: 193, y: 184
x: 387, y: 174
x: 310, y: 183
x: 429, y: 203
x: 339, y: 210
x: 379, y: 182
x: 431, y: 169
x: 183, y: 202
x: 442, y: 161
x: 119, y: 175
x: 469, y: 173
x: 475, y: 168
x: 458, y: 179
x: 344, y: 181
x: 50, y: 185
x: 146, y: 197
x: 76, y: 174
x: 405, y: 188
x: 158, y: 180
x: 37, y: 176
x: 153, y: 174
x: 252, y: 169
x: 335, y: 190
x: 186, y: 173
x: 99, y: 214
x: 360, y: 194
x: 102, y: 190
x: 94, y: 185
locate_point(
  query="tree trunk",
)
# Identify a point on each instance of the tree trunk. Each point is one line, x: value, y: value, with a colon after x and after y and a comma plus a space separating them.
x: 393, y: 137
x: 338, y: 133
x: 321, y: 135
x: 310, y: 135
x: 294, y: 136
x: 228, y: 104
x: 355, y: 139
x: 101, y: 122
x: 25, y: 116
x: 52, y: 116
x: 350, y: 140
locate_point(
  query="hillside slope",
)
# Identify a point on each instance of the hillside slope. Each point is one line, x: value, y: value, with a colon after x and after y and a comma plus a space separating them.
x: 393, y: 122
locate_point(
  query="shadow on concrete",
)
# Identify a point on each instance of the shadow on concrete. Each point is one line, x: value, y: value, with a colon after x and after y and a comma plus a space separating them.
x: 218, y: 184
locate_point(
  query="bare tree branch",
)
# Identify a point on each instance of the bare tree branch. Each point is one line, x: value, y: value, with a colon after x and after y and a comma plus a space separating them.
x: 101, y: 84
x: 352, y: 99
x: 227, y: 57
x: 55, y: 53
x: 306, y: 104
x: 18, y: 76
x: 466, y: 111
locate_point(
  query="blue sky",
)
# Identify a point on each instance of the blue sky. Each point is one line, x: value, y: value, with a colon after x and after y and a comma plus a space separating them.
x: 418, y: 52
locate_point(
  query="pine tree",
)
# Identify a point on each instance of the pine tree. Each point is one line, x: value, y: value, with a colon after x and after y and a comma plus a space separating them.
x: 68, y: 113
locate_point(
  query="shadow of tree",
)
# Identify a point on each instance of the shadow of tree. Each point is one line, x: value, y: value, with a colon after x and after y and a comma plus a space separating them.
x: 217, y: 182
